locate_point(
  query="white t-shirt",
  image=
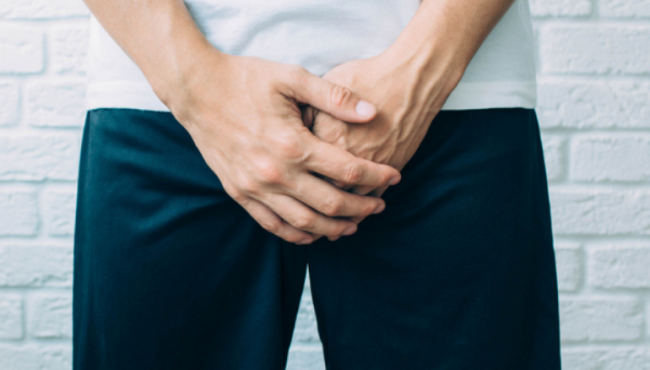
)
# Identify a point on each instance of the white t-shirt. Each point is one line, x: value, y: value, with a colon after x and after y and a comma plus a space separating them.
x: 318, y: 35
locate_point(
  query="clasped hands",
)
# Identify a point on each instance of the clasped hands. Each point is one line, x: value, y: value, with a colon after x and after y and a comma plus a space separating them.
x: 320, y: 170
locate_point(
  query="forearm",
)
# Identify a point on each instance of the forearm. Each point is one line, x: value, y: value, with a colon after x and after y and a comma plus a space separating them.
x: 446, y: 34
x: 160, y: 36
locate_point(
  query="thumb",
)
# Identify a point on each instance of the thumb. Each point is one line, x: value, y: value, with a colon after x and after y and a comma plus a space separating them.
x: 338, y: 101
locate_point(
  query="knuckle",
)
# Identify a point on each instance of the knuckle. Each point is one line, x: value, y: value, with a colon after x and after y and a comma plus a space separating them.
x: 386, y: 177
x: 239, y: 197
x: 249, y: 185
x: 341, y: 228
x: 334, y: 206
x: 304, y: 222
x: 291, y: 148
x: 353, y: 173
x: 298, y: 75
x: 272, y: 226
x: 340, y: 95
x: 292, y: 151
x: 269, y: 173
x: 370, y: 207
x: 236, y: 194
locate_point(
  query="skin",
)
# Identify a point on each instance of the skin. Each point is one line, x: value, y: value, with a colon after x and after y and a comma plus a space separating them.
x: 244, y: 116
x: 408, y: 83
x: 301, y: 184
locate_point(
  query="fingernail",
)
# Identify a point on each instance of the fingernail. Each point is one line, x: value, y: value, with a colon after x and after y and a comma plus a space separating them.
x: 350, y: 230
x: 394, y: 181
x: 379, y: 209
x: 365, y: 109
x: 305, y: 241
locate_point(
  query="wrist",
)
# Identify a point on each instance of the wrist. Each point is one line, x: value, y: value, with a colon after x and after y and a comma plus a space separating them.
x: 436, y: 43
x: 174, y: 77
x: 429, y: 63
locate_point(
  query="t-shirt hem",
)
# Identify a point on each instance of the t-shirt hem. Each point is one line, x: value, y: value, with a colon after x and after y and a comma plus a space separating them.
x: 131, y: 95
x: 500, y: 94
x: 466, y: 95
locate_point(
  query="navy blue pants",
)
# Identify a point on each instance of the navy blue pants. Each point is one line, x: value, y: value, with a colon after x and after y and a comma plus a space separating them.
x: 457, y: 273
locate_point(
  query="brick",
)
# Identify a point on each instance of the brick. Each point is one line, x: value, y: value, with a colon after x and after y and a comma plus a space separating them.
x: 39, y: 157
x: 60, y: 212
x: 606, y: 359
x: 305, y: 358
x: 610, y: 157
x: 600, y: 212
x: 9, y: 100
x: 623, y: 104
x: 600, y: 319
x: 600, y: 49
x: 556, y: 8
x: 619, y: 267
x: 21, y: 49
x: 35, y: 267
x: 11, y: 317
x: 56, y: 104
x: 18, y: 213
x: 554, y: 157
x: 70, y: 47
x: 35, y: 357
x: 624, y: 8
x: 42, y: 9
x: 51, y: 316
x: 568, y: 258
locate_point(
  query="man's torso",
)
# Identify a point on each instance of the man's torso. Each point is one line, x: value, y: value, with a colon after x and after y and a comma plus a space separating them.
x: 318, y: 35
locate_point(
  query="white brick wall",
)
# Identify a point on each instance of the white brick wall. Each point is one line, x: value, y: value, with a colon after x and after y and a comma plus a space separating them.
x: 594, y: 109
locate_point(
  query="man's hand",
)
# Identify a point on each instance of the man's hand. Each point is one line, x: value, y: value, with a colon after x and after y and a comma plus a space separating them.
x: 406, y: 106
x: 243, y: 115
x: 408, y: 83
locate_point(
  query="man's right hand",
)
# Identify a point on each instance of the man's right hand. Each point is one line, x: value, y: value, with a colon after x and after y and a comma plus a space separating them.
x: 243, y: 114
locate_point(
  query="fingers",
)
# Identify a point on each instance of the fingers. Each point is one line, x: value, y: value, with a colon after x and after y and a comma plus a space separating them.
x: 379, y: 192
x: 306, y: 219
x: 336, y: 100
x: 331, y: 201
x: 363, y: 189
x: 336, y: 183
x: 342, y: 166
x: 273, y: 224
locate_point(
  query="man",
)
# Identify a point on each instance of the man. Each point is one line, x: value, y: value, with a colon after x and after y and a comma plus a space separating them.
x: 217, y: 164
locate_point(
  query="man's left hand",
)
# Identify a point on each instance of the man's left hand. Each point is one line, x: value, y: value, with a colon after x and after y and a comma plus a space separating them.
x: 408, y: 95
